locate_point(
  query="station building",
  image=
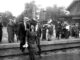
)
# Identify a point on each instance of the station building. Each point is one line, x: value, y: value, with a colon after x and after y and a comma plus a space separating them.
x: 74, y: 9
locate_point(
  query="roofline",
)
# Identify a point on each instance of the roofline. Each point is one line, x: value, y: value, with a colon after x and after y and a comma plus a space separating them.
x: 69, y: 16
x: 72, y: 4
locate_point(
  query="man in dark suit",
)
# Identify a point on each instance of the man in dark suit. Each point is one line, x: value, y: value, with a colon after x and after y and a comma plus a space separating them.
x: 58, y: 29
x: 1, y: 31
x: 22, y: 35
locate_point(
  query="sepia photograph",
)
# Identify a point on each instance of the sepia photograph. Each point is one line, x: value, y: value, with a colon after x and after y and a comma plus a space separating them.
x: 39, y: 30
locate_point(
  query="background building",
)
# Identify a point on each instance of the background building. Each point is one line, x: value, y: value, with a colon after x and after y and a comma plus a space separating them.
x: 74, y: 10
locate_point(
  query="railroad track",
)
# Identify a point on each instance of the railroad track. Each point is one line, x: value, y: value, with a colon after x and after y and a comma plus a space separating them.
x: 7, y: 50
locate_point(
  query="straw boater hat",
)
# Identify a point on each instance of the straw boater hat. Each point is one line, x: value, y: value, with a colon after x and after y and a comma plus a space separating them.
x: 10, y: 19
x: 26, y: 18
x: 49, y: 21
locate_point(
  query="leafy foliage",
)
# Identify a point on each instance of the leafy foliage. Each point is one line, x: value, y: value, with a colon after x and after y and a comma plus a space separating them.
x: 54, y: 12
x: 5, y: 17
x: 29, y: 11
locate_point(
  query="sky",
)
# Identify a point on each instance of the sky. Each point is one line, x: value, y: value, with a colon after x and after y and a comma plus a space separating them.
x: 17, y: 6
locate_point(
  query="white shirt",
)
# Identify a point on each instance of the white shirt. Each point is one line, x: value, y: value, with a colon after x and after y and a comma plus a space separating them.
x: 68, y: 27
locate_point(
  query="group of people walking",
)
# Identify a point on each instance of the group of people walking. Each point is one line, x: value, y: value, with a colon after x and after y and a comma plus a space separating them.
x: 47, y: 31
x: 27, y: 32
x: 66, y: 30
x: 30, y: 33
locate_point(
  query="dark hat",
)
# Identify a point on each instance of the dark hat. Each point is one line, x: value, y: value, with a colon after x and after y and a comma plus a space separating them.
x: 26, y: 18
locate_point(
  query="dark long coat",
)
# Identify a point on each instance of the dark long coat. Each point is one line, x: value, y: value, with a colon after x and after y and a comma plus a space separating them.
x: 21, y: 35
x: 10, y: 30
x: 1, y: 32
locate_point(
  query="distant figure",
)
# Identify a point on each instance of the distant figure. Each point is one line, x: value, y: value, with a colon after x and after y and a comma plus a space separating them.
x: 38, y: 38
x: 50, y: 31
x: 16, y: 31
x: 67, y: 31
x: 75, y: 31
x: 16, y: 26
x: 44, y: 32
x: 1, y: 31
x: 10, y: 30
x: 58, y: 28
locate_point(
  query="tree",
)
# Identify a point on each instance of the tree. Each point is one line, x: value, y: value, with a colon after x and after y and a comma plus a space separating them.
x: 51, y: 13
x: 5, y: 16
x: 54, y: 12
x: 8, y: 15
x: 20, y: 17
x: 42, y: 15
x: 30, y: 9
